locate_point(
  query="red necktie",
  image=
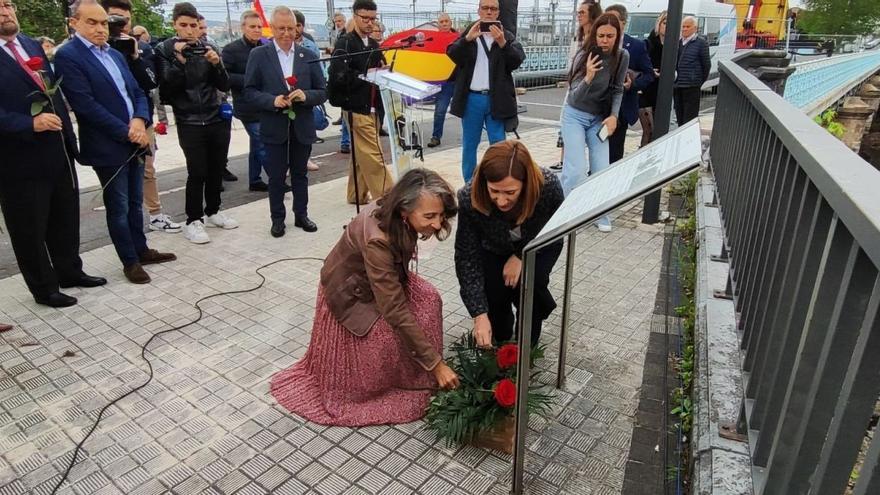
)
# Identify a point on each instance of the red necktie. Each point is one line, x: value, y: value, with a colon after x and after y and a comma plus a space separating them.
x: 23, y: 64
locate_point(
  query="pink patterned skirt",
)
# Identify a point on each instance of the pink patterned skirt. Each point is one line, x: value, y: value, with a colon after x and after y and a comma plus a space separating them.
x: 345, y: 380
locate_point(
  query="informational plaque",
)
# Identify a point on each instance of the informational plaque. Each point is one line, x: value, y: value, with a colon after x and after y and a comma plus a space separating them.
x: 633, y: 176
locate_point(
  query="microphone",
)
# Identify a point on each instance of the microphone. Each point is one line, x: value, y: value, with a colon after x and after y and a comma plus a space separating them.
x: 413, y: 38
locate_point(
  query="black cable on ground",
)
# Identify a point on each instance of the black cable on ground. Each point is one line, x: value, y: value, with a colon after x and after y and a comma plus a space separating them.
x: 79, y: 445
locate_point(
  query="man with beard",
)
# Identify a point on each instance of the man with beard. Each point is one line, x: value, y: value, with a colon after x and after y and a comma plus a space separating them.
x: 39, y: 193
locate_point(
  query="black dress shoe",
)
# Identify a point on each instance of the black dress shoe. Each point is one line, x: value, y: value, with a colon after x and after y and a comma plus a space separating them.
x: 83, y: 281
x: 305, y: 224
x: 383, y: 132
x: 229, y: 176
x: 259, y: 187
x: 277, y: 229
x: 286, y: 187
x: 56, y: 300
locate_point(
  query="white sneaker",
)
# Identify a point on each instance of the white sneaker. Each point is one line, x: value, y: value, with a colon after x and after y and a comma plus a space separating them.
x: 221, y: 221
x: 195, y: 233
x: 604, y: 227
x: 163, y: 223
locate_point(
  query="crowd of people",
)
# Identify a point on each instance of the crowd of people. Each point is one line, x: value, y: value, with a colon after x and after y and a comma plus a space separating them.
x: 375, y: 317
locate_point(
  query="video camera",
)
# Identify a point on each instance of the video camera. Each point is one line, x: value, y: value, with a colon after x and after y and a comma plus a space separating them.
x: 194, y: 49
x: 119, y: 41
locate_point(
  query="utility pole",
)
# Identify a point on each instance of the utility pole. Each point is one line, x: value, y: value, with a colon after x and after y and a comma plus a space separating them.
x: 663, y: 110
x: 553, y: 4
x: 229, y: 22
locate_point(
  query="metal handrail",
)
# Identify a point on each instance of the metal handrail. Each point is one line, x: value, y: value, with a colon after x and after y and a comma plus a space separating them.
x: 801, y: 223
x: 817, y: 84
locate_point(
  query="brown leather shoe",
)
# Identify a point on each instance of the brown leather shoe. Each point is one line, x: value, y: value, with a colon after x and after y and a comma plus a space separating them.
x: 135, y: 274
x: 151, y: 257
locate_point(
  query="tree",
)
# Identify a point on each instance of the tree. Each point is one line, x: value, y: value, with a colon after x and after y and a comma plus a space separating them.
x: 46, y: 17
x: 840, y: 16
x: 42, y: 18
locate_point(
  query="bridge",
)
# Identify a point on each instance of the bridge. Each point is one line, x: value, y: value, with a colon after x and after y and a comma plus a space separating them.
x: 787, y: 301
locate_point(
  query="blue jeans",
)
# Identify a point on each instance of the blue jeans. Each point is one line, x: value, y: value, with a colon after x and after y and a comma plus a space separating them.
x: 441, y: 104
x: 345, y: 140
x: 581, y: 129
x: 477, y: 114
x: 123, y: 197
x: 257, y: 154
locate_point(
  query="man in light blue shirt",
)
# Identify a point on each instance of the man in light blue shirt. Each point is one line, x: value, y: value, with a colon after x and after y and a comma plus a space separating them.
x: 101, y: 53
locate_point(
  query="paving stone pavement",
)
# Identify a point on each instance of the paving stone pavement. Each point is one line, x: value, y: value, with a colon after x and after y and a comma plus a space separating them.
x: 207, y: 423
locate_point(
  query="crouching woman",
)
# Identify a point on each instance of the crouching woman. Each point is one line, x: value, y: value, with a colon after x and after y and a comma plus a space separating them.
x: 375, y: 351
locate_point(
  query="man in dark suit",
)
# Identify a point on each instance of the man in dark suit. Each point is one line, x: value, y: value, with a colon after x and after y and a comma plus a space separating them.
x: 39, y: 192
x: 113, y: 116
x: 639, y: 76
x: 268, y: 88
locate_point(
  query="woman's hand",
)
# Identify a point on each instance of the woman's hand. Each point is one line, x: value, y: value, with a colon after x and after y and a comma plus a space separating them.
x: 594, y: 65
x: 611, y: 124
x: 446, y: 378
x: 512, y: 271
x: 483, y: 331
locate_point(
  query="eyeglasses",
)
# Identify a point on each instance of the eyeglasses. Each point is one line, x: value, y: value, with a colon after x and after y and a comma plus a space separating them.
x: 8, y: 6
x: 581, y: 12
x: 489, y: 8
x: 368, y: 19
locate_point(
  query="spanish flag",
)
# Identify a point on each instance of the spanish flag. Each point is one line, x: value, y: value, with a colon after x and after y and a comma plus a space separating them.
x: 258, y: 7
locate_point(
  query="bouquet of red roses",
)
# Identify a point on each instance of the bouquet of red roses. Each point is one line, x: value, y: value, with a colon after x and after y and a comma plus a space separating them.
x: 487, y: 393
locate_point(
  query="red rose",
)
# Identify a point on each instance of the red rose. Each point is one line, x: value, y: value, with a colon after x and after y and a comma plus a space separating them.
x: 161, y: 128
x: 505, y: 393
x: 35, y: 63
x: 291, y: 81
x: 507, y: 355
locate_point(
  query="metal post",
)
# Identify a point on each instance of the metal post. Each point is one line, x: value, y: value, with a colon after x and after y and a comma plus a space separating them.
x: 229, y: 22
x: 566, y: 310
x: 523, y: 370
x: 663, y: 110
x: 788, y: 35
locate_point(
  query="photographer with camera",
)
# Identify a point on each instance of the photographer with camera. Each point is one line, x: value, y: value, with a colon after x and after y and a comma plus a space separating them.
x: 485, y: 56
x: 139, y: 56
x: 191, y: 78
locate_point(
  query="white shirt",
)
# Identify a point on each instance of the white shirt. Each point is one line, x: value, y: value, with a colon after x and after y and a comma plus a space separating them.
x: 17, y: 43
x: 685, y: 41
x: 285, y: 59
x: 480, y: 81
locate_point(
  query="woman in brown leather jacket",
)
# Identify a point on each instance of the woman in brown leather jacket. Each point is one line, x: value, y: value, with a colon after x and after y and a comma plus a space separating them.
x: 375, y: 352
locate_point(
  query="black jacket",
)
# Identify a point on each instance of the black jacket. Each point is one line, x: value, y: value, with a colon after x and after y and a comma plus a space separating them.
x: 235, y: 59
x: 502, y: 62
x: 359, y: 95
x: 477, y: 232
x: 144, y: 71
x: 192, y: 89
x: 648, y: 98
x: 694, y: 63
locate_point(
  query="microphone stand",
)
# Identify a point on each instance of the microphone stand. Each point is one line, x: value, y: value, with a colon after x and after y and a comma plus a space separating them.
x: 350, y: 119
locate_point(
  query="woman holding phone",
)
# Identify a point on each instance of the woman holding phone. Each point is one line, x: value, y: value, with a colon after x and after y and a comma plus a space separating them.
x: 589, y: 114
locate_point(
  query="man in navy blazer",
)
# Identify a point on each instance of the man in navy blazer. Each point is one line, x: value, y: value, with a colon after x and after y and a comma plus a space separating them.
x: 639, y: 76
x: 288, y: 142
x: 39, y: 192
x: 113, y: 116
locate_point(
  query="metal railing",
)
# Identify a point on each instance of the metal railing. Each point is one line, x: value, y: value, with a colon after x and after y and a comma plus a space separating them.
x: 817, y: 84
x: 802, y: 227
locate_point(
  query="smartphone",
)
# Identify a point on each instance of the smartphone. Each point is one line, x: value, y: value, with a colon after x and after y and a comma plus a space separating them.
x: 603, y: 133
x: 484, y: 26
x: 596, y: 51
